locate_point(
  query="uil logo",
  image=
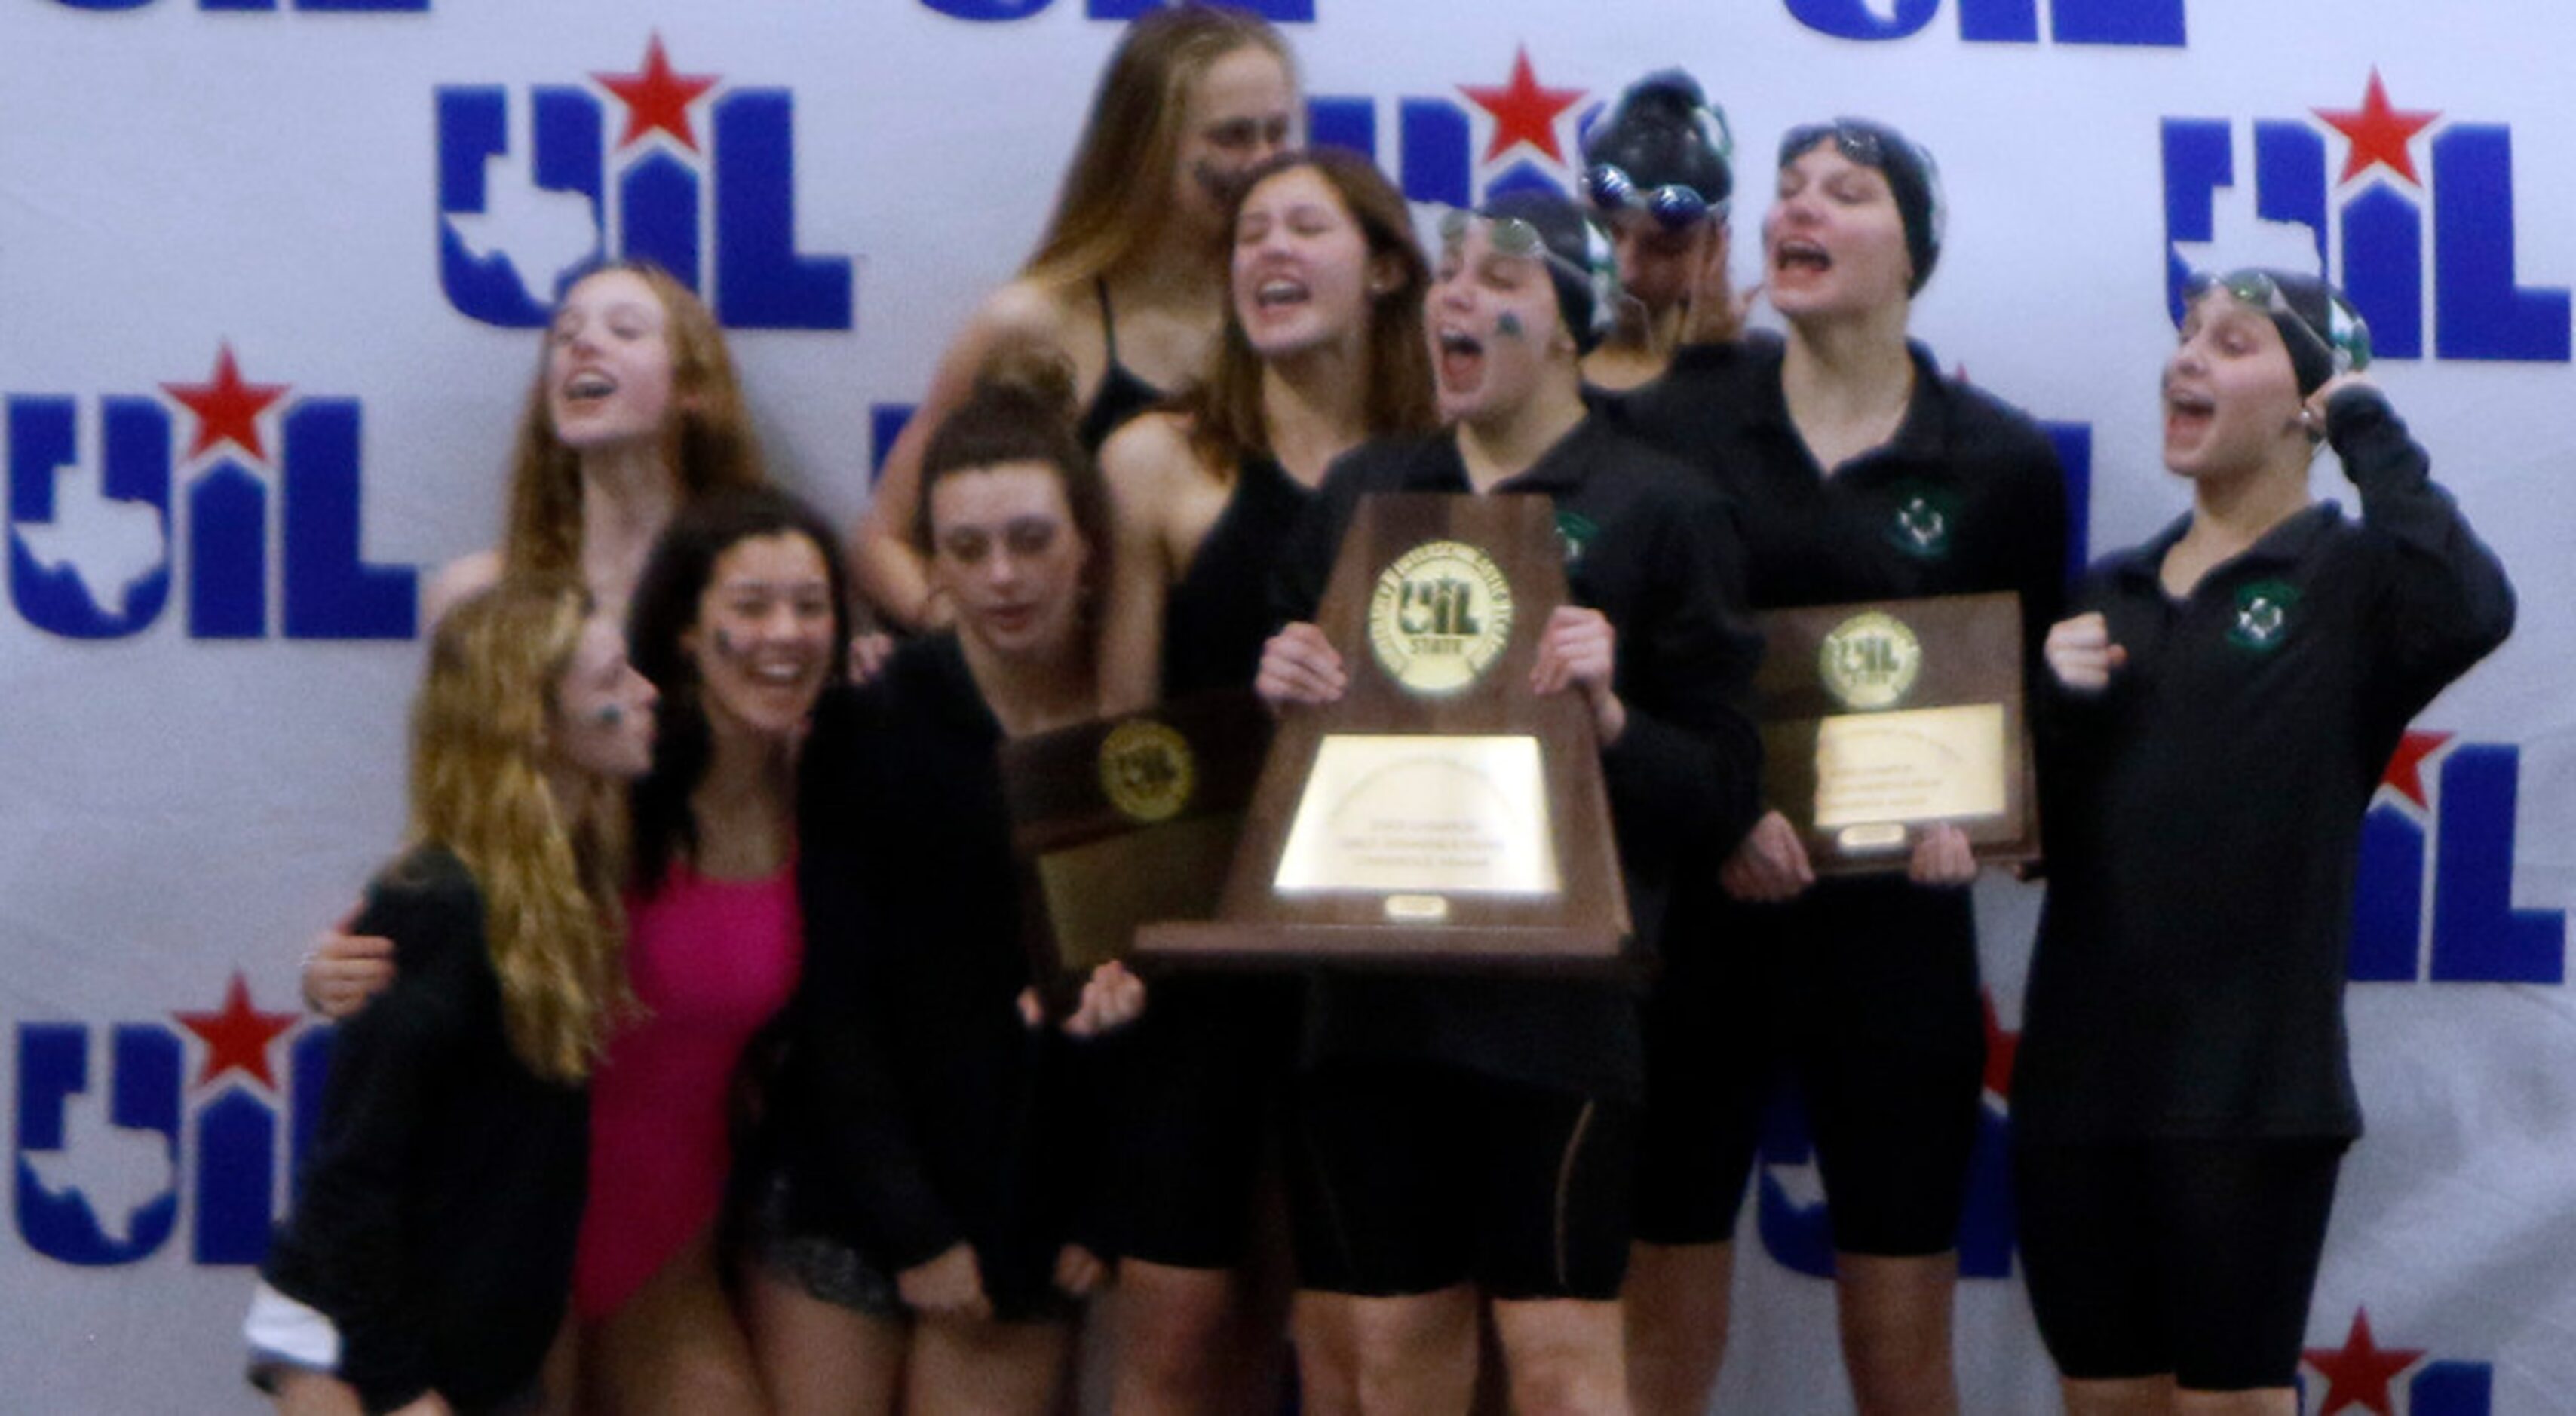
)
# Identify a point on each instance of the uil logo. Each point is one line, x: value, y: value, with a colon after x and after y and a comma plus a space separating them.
x: 531, y: 190
x: 2263, y: 615
x: 1440, y: 616
x: 1870, y: 661
x: 2361, y: 1375
x: 1146, y: 770
x: 2433, y: 898
x: 115, y: 1147
x: 262, y: 509
x: 2382, y: 219
x: 1526, y: 126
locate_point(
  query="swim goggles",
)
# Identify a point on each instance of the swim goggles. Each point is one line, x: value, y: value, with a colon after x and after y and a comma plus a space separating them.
x: 2345, y: 340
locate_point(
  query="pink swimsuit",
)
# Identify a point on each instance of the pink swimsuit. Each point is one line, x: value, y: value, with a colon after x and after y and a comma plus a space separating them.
x: 712, y: 962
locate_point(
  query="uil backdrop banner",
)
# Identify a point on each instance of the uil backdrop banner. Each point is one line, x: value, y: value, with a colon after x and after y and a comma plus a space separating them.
x: 270, y: 272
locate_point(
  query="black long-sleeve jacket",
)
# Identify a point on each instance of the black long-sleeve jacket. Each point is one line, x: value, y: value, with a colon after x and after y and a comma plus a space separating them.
x: 2205, y: 810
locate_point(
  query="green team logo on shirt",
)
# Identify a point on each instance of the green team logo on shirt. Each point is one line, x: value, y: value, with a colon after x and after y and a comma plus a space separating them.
x: 2264, y: 611
x: 1574, y: 531
x: 1926, y: 515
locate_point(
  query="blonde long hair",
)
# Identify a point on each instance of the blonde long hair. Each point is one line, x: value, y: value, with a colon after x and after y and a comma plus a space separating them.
x: 549, y: 879
x: 1118, y: 186
x: 708, y: 443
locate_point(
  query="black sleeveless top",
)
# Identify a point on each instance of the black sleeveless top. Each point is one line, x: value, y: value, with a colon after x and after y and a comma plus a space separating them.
x: 1219, y: 612
x: 1122, y: 393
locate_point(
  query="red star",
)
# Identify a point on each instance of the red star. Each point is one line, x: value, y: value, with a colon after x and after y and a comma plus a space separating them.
x: 227, y: 409
x: 2405, y: 767
x: 2000, y: 1047
x: 237, y: 1038
x: 2357, y: 1373
x: 2379, y: 133
x: 657, y: 97
x: 1523, y: 111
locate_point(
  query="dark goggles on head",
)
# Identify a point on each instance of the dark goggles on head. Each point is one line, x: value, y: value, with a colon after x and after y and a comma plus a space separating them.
x: 1861, y: 145
x: 1674, y: 206
x: 2346, y: 344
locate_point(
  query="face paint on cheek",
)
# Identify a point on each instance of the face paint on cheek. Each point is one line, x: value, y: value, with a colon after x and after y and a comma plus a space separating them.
x: 608, y: 715
x: 728, y: 646
x: 1507, y: 325
x: 1218, y: 182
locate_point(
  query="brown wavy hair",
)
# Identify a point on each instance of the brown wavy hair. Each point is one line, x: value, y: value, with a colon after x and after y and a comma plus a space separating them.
x: 1225, y: 414
x: 708, y: 442
x: 549, y: 878
x: 1021, y: 410
x: 1119, y: 183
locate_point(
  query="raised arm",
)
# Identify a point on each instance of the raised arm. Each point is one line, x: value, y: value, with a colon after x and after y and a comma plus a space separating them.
x: 889, y: 569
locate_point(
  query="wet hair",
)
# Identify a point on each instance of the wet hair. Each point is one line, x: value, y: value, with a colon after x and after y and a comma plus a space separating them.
x: 1913, y: 180
x: 708, y: 443
x: 1225, y: 412
x: 666, y: 605
x: 547, y: 870
x: 1118, y: 186
x: 1021, y: 409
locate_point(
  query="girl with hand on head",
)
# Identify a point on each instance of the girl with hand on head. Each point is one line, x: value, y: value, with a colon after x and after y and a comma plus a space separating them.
x: 2215, y: 719
x: 1129, y: 278
x: 932, y: 1142
x: 1659, y: 170
x: 1468, y: 1142
x: 1322, y: 350
x: 1860, y: 473
x: 425, y: 1265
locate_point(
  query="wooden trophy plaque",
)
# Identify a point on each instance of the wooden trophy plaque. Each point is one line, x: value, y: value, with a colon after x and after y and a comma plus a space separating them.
x: 1881, y: 718
x: 1440, y: 815
x: 1126, y: 820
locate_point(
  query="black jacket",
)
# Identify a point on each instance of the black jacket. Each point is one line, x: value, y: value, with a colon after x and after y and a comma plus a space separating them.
x: 2206, y: 809
x: 440, y: 1201
x: 915, y: 1110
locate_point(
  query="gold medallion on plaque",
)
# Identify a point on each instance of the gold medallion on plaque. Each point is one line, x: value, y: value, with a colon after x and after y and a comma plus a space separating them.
x: 1439, y: 617
x: 1870, y: 661
x: 1146, y: 771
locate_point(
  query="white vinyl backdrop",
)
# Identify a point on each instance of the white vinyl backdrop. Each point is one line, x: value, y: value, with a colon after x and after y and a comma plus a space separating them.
x: 177, y: 808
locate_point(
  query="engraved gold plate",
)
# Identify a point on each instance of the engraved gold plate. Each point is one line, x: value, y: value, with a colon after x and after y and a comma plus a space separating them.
x: 1422, y: 815
x: 1439, y: 617
x: 1923, y: 764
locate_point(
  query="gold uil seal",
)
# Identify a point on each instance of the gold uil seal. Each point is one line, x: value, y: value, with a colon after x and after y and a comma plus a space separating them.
x: 1870, y: 661
x: 1146, y: 770
x: 1439, y: 618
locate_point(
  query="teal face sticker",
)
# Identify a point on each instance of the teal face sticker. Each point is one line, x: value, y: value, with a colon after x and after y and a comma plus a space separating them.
x: 1925, y: 520
x: 1574, y: 531
x: 2265, y: 612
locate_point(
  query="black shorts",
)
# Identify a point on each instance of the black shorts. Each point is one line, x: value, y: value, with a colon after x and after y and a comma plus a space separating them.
x: 1410, y: 1177
x: 2194, y: 1258
x: 1864, y: 993
x: 1201, y: 1090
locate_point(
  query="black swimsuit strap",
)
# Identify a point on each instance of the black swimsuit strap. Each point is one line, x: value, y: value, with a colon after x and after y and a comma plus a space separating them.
x: 1108, y: 326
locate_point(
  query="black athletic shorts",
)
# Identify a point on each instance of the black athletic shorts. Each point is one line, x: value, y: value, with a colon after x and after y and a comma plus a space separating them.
x: 1201, y: 1091
x: 1409, y: 1177
x: 2194, y: 1258
x: 1864, y: 993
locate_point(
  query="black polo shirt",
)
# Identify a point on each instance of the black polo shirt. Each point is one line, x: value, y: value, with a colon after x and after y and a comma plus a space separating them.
x: 1655, y: 550
x: 1967, y: 497
x: 2205, y: 811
